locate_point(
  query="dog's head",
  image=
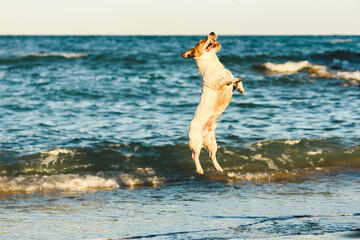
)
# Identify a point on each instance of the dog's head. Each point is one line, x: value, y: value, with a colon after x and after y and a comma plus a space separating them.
x: 208, y: 45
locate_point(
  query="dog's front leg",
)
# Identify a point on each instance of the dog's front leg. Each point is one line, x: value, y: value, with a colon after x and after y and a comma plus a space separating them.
x: 227, y: 81
x: 234, y: 81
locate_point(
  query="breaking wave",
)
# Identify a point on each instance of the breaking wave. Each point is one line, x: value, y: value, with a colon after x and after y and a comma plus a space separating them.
x: 37, y: 183
x: 129, y: 165
x: 315, y: 70
x: 355, y: 75
x: 288, y: 67
x: 77, y: 182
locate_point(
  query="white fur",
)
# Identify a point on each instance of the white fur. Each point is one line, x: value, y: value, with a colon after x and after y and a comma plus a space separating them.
x: 217, y: 89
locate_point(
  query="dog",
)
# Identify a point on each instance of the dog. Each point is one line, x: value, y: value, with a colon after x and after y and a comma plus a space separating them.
x: 217, y: 88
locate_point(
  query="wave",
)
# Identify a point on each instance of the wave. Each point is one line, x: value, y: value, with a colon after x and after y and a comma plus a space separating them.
x: 54, y: 54
x: 341, y: 40
x: 129, y: 165
x: 315, y: 70
x: 20, y: 59
x: 355, y: 75
x: 287, y: 67
x: 71, y: 182
x: 294, y: 67
x: 76, y: 182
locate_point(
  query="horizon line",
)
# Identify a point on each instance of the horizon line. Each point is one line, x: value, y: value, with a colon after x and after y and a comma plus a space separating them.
x: 141, y: 34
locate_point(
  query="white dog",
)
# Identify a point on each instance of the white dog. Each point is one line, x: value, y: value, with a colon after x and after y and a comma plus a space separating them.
x: 217, y: 88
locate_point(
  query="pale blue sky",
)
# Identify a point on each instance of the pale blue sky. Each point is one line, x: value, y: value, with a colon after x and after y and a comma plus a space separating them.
x: 154, y: 17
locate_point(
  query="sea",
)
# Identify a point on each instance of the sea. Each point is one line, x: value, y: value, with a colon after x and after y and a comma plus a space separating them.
x: 93, y: 139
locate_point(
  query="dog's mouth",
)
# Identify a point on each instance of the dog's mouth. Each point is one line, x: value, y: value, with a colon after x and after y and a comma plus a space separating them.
x: 212, y: 44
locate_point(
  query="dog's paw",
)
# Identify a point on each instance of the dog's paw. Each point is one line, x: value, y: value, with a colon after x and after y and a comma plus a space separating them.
x: 200, y: 171
x: 219, y: 169
x: 240, y: 87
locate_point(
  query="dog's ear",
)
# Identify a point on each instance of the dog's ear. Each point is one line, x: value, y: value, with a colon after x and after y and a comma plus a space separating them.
x: 188, y: 53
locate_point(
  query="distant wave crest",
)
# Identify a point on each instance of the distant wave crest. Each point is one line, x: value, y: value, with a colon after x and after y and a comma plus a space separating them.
x: 315, y: 70
x: 54, y: 54
x: 341, y: 40
x: 287, y: 67
x: 355, y: 75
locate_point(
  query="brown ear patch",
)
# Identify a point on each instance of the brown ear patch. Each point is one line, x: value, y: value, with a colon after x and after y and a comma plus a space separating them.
x: 196, y: 51
x: 199, y: 48
x: 188, y: 53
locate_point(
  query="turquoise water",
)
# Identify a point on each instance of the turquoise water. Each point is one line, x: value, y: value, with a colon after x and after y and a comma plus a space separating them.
x: 200, y: 209
x: 93, y: 138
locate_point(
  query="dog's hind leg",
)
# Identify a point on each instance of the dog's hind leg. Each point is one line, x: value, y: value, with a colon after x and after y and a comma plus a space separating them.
x: 212, y: 147
x: 195, y: 147
x: 195, y: 157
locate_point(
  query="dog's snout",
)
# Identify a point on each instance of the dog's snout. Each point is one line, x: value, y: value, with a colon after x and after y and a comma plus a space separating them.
x: 212, y: 36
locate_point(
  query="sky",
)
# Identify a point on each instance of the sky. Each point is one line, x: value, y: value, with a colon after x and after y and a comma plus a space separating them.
x: 184, y: 17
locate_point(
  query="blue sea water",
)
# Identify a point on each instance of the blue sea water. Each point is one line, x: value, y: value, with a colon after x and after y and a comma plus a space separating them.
x: 93, y: 138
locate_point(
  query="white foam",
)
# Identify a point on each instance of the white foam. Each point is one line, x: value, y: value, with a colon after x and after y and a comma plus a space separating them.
x: 228, y: 152
x: 318, y: 68
x: 249, y: 176
x: 270, y: 162
x: 314, y: 70
x: 292, y: 141
x: 69, y: 182
x: 76, y: 182
x: 288, y: 67
x: 142, y: 176
x: 311, y: 153
x: 349, y: 75
x: 52, y: 156
x: 262, y: 143
x: 56, y: 152
x: 341, y: 40
x: 54, y: 54
x: 284, y: 159
x: 131, y: 180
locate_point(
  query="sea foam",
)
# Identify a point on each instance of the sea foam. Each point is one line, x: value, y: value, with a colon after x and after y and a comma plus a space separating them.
x: 77, y: 182
x: 69, y: 182
x: 52, y: 156
x: 54, y: 54
x: 349, y: 75
x: 341, y: 40
x: 315, y: 70
x: 288, y: 67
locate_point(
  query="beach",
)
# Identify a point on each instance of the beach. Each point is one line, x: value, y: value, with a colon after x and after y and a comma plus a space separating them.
x: 93, y: 139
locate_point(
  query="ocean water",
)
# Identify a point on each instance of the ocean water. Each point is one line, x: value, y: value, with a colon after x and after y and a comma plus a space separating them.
x: 93, y: 139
